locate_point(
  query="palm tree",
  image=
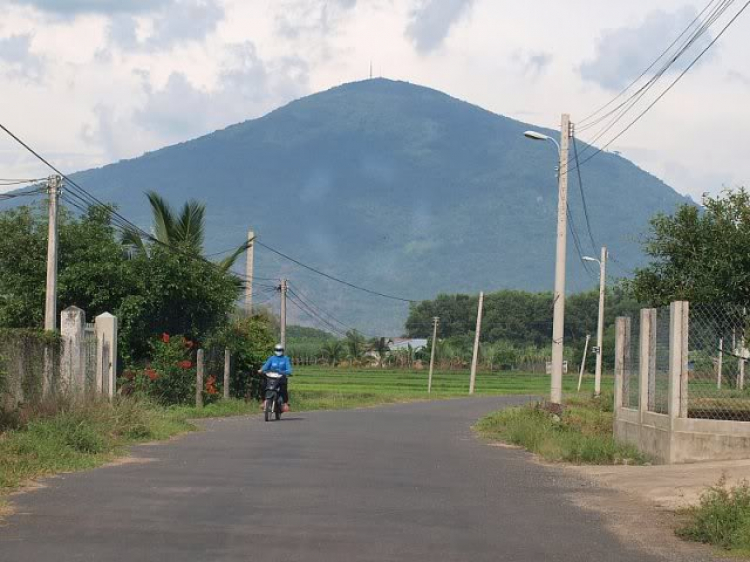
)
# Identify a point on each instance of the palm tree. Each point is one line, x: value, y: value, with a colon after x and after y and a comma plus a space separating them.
x: 355, y: 343
x: 333, y: 350
x: 185, y: 231
x: 381, y: 347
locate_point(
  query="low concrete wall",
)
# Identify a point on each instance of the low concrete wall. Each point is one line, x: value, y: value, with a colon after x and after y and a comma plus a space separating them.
x: 680, y: 440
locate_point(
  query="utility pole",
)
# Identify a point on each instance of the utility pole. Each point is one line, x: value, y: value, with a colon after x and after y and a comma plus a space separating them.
x: 475, y: 357
x: 583, y: 361
x: 50, y: 308
x: 600, y: 323
x: 249, y: 269
x: 284, y: 288
x: 558, y: 324
x: 435, y: 321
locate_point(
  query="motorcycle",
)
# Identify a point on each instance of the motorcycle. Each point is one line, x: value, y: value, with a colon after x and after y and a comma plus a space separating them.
x: 274, y: 402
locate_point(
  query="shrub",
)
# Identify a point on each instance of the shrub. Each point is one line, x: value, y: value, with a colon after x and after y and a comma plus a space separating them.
x: 722, y: 518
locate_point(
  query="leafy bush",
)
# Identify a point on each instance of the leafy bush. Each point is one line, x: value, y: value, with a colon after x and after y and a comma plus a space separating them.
x: 722, y: 518
x: 583, y: 435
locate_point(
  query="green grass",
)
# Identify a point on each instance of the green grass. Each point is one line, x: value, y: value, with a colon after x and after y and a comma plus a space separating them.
x: 582, y: 435
x: 444, y: 383
x: 721, y: 519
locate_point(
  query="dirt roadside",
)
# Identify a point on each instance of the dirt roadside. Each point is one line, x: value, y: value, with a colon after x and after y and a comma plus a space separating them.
x: 641, y: 503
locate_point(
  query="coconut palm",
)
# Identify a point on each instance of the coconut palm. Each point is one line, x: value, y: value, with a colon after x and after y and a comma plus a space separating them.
x: 185, y: 231
x: 356, y: 345
x: 381, y: 348
x: 333, y: 351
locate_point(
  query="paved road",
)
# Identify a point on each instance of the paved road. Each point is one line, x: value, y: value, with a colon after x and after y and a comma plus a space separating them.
x: 398, y: 483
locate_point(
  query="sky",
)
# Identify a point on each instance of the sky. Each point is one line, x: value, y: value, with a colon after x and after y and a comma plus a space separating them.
x: 90, y: 82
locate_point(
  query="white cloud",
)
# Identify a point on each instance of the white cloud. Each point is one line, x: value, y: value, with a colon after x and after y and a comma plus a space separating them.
x: 17, y: 59
x: 623, y: 53
x: 431, y: 21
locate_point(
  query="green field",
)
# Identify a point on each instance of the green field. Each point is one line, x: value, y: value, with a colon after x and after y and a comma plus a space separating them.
x: 413, y: 384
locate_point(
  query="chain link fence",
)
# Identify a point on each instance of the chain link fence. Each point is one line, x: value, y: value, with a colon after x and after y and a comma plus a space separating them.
x: 658, y: 377
x: 717, y: 362
x: 631, y: 379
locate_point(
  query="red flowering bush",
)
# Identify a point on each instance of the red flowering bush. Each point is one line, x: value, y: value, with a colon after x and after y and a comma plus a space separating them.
x: 169, y: 376
x: 211, y: 386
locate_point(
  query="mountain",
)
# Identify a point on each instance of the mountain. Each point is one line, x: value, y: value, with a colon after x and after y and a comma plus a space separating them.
x: 395, y: 187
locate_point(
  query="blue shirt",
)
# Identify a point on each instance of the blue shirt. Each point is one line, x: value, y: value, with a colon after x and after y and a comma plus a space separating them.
x: 280, y: 365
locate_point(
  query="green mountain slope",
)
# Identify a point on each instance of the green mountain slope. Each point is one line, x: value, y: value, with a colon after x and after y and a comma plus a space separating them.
x: 393, y: 186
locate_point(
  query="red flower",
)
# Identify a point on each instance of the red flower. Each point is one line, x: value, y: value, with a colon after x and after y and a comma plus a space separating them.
x: 165, y: 337
x: 151, y: 374
x: 185, y: 364
x: 211, y: 385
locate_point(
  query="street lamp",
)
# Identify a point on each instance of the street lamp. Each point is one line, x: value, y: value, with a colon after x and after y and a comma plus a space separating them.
x: 558, y: 324
x: 600, y: 324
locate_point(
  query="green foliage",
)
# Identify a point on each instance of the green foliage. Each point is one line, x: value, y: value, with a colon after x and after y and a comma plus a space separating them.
x: 170, y: 375
x: 333, y: 351
x: 699, y: 255
x: 250, y: 341
x: 93, y: 270
x: 176, y: 294
x: 583, y: 435
x: 722, y: 518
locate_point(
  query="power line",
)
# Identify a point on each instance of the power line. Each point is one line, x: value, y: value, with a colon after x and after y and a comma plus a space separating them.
x: 331, y: 277
x: 716, y: 14
x: 583, y: 122
x: 583, y: 196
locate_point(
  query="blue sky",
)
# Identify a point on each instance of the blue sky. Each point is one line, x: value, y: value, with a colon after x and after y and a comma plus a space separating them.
x: 89, y: 82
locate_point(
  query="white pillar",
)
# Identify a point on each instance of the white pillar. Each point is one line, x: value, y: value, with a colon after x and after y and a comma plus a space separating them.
x: 106, y: 362
x: 72, y: 363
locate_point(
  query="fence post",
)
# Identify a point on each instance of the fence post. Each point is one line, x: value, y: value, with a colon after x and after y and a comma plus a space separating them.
x: 106, y: 367
x: 678, y: 399
x: 227, y: 367
x: 719, y: 364
x: 72, y: 326
x: 647, y: 358
x: 199, y: 381
x: 621, y: 335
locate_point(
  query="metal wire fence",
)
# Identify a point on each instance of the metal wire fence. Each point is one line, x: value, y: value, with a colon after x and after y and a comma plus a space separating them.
x: 658, y: 388
x: 717, y: 362
x: 631, y: 386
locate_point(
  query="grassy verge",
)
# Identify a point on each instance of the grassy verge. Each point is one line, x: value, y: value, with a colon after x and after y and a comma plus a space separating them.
x: 582, y: 435
x: 722, y: 519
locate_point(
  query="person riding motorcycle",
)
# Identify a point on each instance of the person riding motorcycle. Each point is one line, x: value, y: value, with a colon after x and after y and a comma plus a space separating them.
x: 279, y: 363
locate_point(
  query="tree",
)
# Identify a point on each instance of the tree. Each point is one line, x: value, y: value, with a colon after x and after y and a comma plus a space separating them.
x: 93, y: 271
x: 176, y: 294
x: 356, y: 346
x: 699, y: 255
x: 381, y: 348
x: 184, y: 231
x: 333, y: 351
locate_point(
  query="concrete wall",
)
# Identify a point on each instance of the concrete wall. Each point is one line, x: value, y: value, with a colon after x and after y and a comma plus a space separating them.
x: 673, y: 437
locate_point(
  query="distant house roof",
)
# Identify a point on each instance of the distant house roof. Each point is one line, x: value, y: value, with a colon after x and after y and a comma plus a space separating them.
x: 404, y: 343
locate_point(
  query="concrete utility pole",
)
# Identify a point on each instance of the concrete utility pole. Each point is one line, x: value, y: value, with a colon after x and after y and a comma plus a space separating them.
x: 284, y: 288
x: 50, y: 308
x: 583, y: 361
x: 600, y: 323
x: 249, y: 269
x: 435, y: 321
x: 475, y: 357
x: 558, y: 323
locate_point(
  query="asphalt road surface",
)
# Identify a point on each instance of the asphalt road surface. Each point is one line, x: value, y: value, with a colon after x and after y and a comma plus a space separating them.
x: 398, y: 483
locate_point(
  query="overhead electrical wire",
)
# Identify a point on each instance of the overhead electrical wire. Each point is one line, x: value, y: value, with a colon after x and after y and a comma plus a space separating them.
x: 584, y: 123
x: 635, y: 98
x: 332, y: 277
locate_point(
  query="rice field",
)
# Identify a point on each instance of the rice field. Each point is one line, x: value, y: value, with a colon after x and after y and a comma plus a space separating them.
x: 444, y: 383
